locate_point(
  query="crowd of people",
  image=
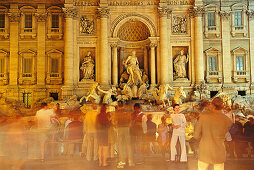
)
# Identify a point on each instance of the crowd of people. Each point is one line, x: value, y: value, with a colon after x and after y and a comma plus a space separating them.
x: 125, y: 133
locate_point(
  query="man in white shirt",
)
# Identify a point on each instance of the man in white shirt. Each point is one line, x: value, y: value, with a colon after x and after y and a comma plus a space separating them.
x: 178, y: 124
x: 43, y: 117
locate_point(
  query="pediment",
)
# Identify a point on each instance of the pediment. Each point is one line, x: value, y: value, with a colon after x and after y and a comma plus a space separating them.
x: 54, y: 51
x: 27, y: 51
x: 3, y: 52
x: 211, y: 50
x: 239, y: 50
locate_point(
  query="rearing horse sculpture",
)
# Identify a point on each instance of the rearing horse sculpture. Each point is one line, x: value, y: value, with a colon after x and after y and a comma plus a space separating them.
x: 160, y: 94
x: 178, y: 94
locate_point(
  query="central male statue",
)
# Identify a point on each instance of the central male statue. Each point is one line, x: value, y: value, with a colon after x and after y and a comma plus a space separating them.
x: 132, y: 67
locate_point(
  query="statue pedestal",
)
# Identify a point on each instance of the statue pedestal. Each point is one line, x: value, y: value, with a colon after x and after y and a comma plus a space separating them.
x: 83, y: 87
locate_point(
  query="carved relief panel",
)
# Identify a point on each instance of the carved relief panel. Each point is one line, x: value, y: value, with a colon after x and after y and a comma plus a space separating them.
x: 87, y: 25
x: 179, y: 24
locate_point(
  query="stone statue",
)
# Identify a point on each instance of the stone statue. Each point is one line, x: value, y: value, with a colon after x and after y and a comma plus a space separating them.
x: 180, y: 65
x: 160, y: 95
x: 132, y: 67
x: 88, y: 67
x: 92, y: 95
x: 86, y: 26
x: 179, y: 93
x: 107, y: 94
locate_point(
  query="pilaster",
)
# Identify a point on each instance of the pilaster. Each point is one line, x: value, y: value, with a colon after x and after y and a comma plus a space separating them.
x: 226, y: 56
x: 115, y: 66
x: 165, y: 77
x: 197, y: 13
x: 152, y: 63
x: 41, y: 45
x: 69, y: 13
x: 251, y: 28
x: 103, y: 75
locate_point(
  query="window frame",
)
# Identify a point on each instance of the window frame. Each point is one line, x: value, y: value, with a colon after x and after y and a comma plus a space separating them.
x: 54, y: 33
x: 5, y: 75
x: 4, y: 32
x: 27, y: 32
x: 212, y: 30
x: 243, y: 28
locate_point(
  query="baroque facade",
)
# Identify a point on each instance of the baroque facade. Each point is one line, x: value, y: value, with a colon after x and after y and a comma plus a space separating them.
x: 59, y: 48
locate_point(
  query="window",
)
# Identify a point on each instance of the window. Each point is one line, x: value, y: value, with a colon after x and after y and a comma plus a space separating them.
x: 27, y: 67
x: 2, y: 66
x: 239, y: 63
x: 28, y: 21
x: 2, y: 20
x: 213, y: 93
x: 55, y: 21
x: 238, y: 18
x: 211, y: 19
x: 54, y: 67
x: 242, y: 93
x: 27, y: 99
x: 212, y: 63
x: 54, y: 96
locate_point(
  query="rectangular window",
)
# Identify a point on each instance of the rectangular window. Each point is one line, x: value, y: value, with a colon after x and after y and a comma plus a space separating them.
x: 28, y: 21
x: 55, y: 21
x: 239, y: 63
x: 27, y: 99
x: 54, y: 65
x: 27, y: 65
x: 212, y: 63
x: 211, y: 19
x: 238, y: 18
x: 2, y: 20
x: 1, y: 65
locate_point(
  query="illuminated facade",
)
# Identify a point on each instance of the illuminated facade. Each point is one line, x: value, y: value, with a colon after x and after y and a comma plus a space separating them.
x: 43, y: 44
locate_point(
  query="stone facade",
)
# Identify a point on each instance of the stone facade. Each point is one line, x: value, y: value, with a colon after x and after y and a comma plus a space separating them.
x: 43, y: 44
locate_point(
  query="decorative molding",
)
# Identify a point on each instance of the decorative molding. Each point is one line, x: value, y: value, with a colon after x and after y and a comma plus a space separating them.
x: 250, y: 13
x: 14, y: 16
x: 114, y: 44
x: 153, y: 44
x: 41, y: 17
x: 102, y: 12
x: 225, y: 14
x: 197, y: 11
x: 164, y: 11
x: 86, y: 25
x: 70, y: 12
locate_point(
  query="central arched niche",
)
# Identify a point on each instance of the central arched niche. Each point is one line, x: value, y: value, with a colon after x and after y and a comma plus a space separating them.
x: 133, y: 30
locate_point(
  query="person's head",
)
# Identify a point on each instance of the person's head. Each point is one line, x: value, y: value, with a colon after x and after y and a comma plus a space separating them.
x: 88, y: 53
x: 176, y: 108
x: 218, y: 103
x: 134, y: 53
x: 44, y: 105
x: 103, y: 108
x: 163, y: 119
x: 94, y: 106
x: 119, y: 104
x: 149, y: 116
x: 137, y: 107
x: 181, y: 52
x: 204, y: 104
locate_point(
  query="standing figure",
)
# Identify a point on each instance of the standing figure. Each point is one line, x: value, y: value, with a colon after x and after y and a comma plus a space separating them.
x: 179, y: 122
x: 44, y: 116
x: 180, y: 65
x: 88, y: 67
x: 163, y: 136
x: 107, y: 95
x: 211, y: 130
x: 132, y: 67
x: 103, y: 123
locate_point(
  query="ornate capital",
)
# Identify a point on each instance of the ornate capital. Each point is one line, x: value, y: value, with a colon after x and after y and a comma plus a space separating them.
x: 114, y: 44
x: 163, y: 11
x: 251, y: 14
x: 224, y: 14
x: 70, y: 12
x: 152, y: 44
x: 102, y: 12
x: 41, y: 17
x: 14, y: 16
x: 197, y: 11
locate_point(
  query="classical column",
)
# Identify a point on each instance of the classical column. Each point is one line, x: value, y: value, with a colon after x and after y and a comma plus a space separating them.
x: 68, y: 46
x: 227, y: 59
x: 41, y: 17
x: 115, y: 66
x: 251, y: 64
x: 103, y: 77
x: 164, y: 59
x: 152, y: 63
x: 145, y: 60
x: 14, y: 17
x: 198, y: 41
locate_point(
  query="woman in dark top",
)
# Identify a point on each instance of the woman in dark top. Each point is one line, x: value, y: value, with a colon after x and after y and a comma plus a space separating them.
x: 103, y: 124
